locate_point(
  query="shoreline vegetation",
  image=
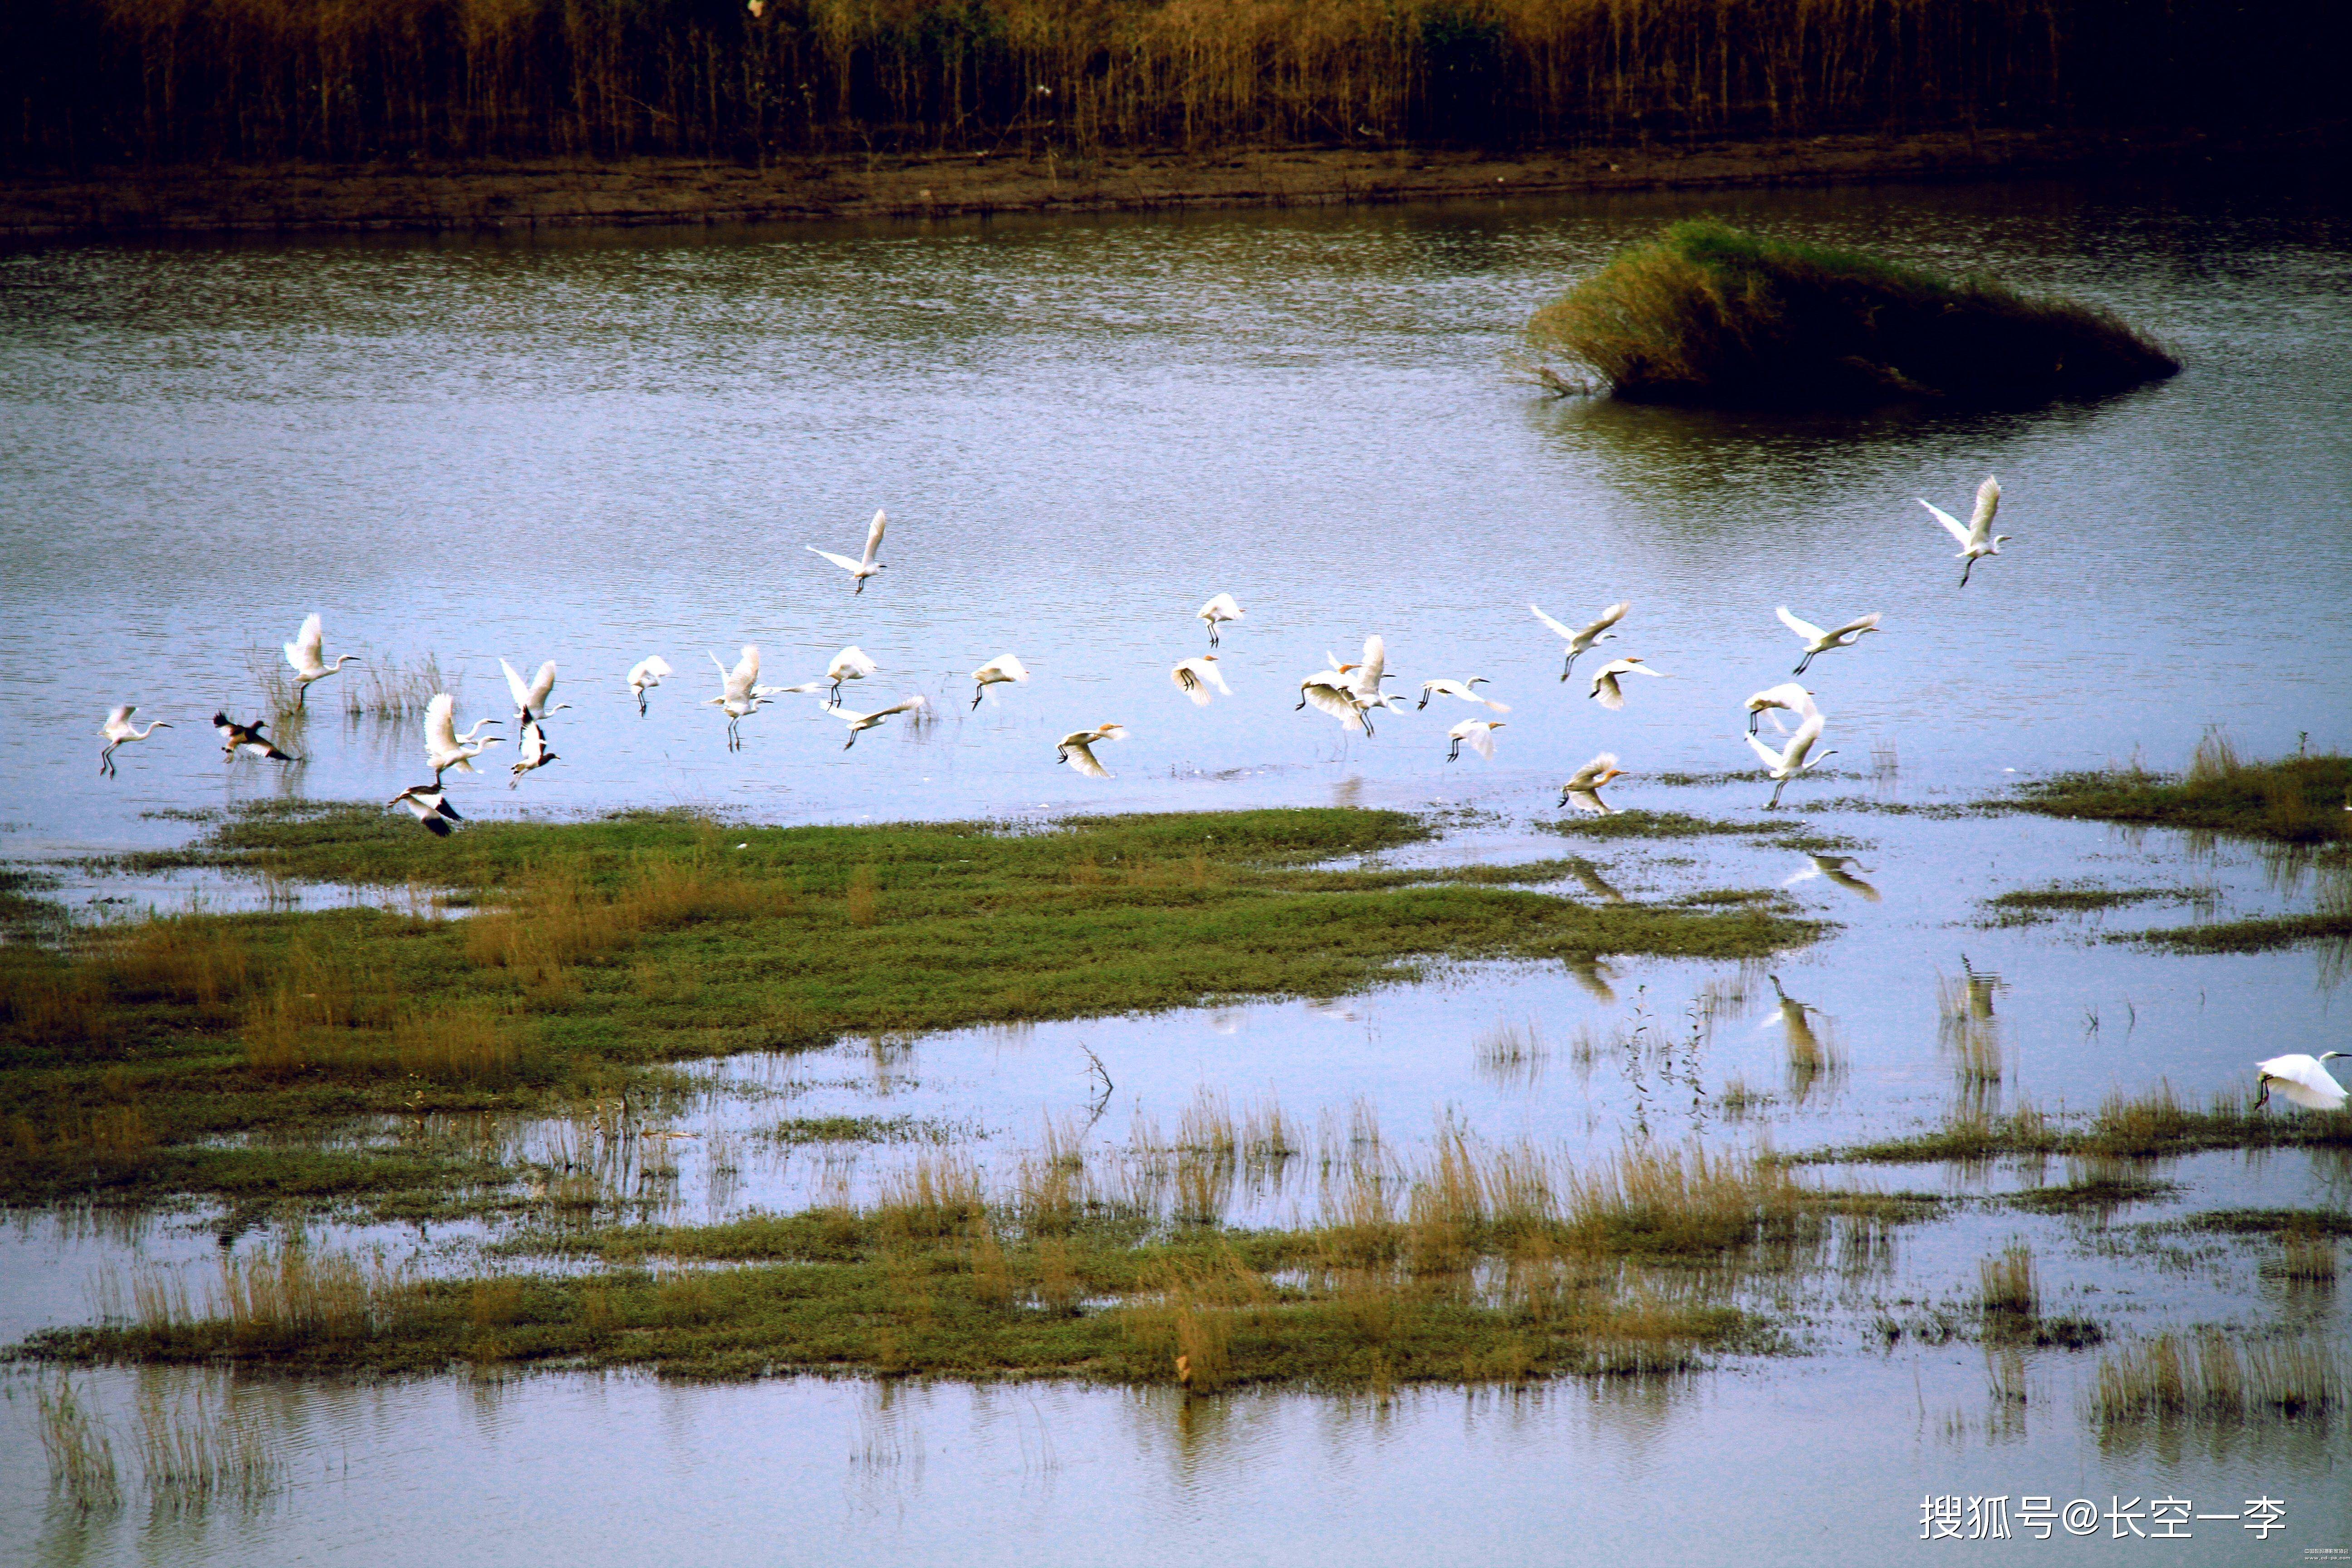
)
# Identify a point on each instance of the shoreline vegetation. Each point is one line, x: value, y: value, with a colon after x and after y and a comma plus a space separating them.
x: 211, y: 1055
x: 504, y: 195
x: 1708, y: 314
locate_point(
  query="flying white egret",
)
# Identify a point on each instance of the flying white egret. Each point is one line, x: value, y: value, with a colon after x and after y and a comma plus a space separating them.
x: 738, y: 708
x: 2303, y: 1079
x: 1788, y: 695
x: 1218, y: 610
x: 1605, y: 690
x: 303, y: 654
x: 1327, y: 692
x: 430, y: 807
x: 1839, y: 869
x: 1077, y: 748
x: 866, y: 567
x: 1583, y: 786
x: 646, y: 674
x: 1580, y: 638
x: 1193, y: 677
x: 120, y: 730
x: 1461, y: 689
x: 530, y: 752
x: 1001, y: 670
x: 849, y: 664
x: 1819, y: 641
x: 861, y: 723
x: 1364, y: 680
x: 1977, y: 539
x: 236, y: 737
x: 1479, y: 733
x: 1792, y: 759
x: 531, y: 702
x: 739, y: 681
x: 444, y: 747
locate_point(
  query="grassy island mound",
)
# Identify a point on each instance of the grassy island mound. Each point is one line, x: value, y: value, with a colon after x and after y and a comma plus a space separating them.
x: 1710, y: 314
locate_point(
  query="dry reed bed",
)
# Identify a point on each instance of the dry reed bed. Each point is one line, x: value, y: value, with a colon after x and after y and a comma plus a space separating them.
x: 196, y: 79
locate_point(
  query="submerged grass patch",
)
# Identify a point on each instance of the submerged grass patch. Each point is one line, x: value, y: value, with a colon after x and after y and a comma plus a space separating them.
x: 2293, y: 800
x: 1482, y: 1265
x: 2140, y: 1126
x: 1706, y: 314
x: 2027, y: 906
x: 2261, y: 934
x: 603, y: 948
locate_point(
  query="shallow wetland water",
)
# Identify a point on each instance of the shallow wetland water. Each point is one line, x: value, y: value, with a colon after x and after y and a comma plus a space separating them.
x: 596, y: 447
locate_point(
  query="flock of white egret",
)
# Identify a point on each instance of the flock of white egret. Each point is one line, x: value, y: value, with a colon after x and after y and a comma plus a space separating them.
x: 1346, y: 692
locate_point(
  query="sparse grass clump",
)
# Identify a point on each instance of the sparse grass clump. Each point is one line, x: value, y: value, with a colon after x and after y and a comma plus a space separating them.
x: 2205, y: 1381
x: 81, y: 1456
x: 1711, y: 314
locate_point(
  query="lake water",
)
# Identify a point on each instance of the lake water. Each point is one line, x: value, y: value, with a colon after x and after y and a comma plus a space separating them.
x: 593, y: 448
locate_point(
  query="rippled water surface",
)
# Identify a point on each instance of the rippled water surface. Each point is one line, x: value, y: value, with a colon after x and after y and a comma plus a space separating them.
x: 592, y: 448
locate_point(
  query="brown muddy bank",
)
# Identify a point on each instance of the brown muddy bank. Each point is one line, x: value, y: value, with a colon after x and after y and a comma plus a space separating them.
x: 492, y: 196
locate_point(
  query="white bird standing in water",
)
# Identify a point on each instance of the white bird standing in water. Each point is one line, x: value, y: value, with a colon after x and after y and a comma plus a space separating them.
x: 120, y: 730
x: 1584, y: 786
x: 849, y: 664
x: 1791, y: 760
x: 645, y: 675
x: 530, y: 700
x: 1077, y: 748
x: 444, y: 747
x: 1461, y: 689
x: 303, y: 654
x: 430, y: 807
x: 1605, y: 690
x: 999, y: 671
x: 861, y: 723
x: 1218, y: 610
x: 1193, y: 677
x: 1788, y: 696
x: 530, y: 752
x: 1579, y: 640
x: 2303, y: 1079
x: 1819, y: 641
x: 1478, y: 733
x: 1977, y: 539
x: 866, y: 567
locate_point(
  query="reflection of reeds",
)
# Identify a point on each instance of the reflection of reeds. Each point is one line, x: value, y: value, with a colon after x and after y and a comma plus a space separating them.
x: 199, y: 1448
x: 1511, y: 1052
x: 81, y: 1458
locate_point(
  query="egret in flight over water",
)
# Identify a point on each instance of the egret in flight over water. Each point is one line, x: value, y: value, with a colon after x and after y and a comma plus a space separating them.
x: 303, y: 654
x: 1579, y: 639
x: 645, y: 675
x: 867, y: 566
x: 1477, y: 733
x: 1461, y: 689
x: 1584, y: 787
x: 1792, y: 759
x: 444, y: 747
x: 1218, y: 610
x: 1977, y: 539
x: 530, y: 700
x: 1605, y: 690
x: 861, y: 723
x: 1001, y: 670
x: 1077, y: 748
x: 1788, y: 695
x: 1819, y: 641
x: 120, y: 730
x: 1193, y: 677
x: 2303, y: 1079
x: 849, y: 664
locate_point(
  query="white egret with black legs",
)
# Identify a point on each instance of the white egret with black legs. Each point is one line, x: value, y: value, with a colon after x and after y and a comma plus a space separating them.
x: 1580, y: 638
x: 2304, y: 1080
x: 1818, y: 641
x: 1077, y: 748
x: 861, y: 723
x: 1605, y: 690
x: 1194, y: 677
x: 1217, y: 612
x: 849, y: 664
x: 865, y: 566
x: 1478, y: 734
x: 1977, y: 539
x: 120, y: 730
x: 1792, y: 759
x: 645, y: 675
x: 1001, y: 670
x: 1582, y: 789
x: 1461, y: 689
x: 1789, y: 697
x: 304, y: 654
